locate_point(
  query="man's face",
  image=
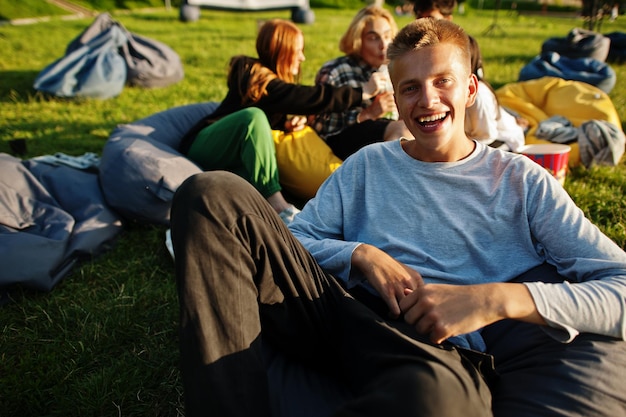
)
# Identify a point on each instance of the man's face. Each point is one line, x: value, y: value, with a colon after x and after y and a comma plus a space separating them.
x: 433, y: 86
x: 375, y: 39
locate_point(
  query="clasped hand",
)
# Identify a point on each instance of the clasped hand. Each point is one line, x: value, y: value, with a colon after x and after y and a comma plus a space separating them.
x: 442, y: 311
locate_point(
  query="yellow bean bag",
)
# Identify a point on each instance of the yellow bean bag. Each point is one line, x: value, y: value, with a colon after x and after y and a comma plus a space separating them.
x: 304, y: 161
x: 540, y: 99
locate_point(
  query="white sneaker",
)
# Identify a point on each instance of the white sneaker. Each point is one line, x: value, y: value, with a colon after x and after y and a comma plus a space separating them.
x: 288, y: 214
x: 168, y: 242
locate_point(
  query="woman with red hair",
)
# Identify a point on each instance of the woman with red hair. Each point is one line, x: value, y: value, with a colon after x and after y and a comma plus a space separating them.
x: 262, y: 92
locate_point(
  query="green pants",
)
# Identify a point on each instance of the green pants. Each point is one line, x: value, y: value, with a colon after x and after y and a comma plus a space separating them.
x: 241, y: 143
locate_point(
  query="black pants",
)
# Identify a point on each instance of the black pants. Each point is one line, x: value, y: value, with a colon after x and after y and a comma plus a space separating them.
x: 246, y: 283
x: 356, y: 136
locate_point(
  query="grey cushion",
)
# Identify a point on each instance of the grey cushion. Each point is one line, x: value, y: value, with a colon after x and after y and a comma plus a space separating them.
x: 141, y: 168
x: 579, y: 43
x: 50, y: 218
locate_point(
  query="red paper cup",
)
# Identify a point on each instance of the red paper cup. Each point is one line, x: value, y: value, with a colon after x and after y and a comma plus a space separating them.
x: 552, y: 157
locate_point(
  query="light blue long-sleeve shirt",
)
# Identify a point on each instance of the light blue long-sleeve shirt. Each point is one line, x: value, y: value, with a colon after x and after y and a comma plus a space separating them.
x: 488, y: 218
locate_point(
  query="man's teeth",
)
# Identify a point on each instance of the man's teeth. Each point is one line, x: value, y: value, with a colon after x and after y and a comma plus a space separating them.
x: 432, y: 118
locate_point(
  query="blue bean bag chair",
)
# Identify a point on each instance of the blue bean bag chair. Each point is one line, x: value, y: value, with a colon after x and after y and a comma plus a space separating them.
x: 552, y: 64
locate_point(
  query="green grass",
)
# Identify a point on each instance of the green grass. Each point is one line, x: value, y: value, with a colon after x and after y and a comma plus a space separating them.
x: 104, y: 341
x: 10, y: 9
x: 24, y: 9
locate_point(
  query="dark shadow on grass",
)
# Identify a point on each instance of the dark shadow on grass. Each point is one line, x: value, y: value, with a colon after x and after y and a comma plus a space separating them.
x: 155, y: 18
x: 20, y: 82
x: 508, y: 58
x: 17, y: 86
x: 50, y: 137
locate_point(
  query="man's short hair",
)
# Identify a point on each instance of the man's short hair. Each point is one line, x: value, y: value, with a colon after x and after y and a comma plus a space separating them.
x: 422, y: 33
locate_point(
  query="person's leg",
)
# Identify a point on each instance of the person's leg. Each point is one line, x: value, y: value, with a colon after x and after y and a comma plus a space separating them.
x: 242, y: 143
x: 240, y: 270
x: 238, y: 266
x: 387, y: 369
x: 396, y: 372
x: 540, y: 376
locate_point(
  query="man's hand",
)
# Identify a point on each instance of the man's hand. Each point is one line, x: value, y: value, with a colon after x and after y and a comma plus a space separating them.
x: 442, y: 311
x: 389, y: 277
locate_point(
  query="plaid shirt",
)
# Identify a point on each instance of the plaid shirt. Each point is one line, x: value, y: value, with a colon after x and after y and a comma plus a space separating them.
x: 340, y: 72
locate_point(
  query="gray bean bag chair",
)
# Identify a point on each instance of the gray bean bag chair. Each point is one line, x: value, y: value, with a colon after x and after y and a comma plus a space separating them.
x: 579, y: 43
x: 149, y: 63
x: 104, y: 58
x: 95, y: 69
x: 51, y: 217
x: 141, y: 168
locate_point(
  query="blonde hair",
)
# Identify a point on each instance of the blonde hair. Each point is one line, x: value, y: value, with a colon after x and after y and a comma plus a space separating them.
x: 350, y: 43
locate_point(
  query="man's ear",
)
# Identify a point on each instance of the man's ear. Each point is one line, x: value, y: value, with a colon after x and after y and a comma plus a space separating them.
x: 472, y: 90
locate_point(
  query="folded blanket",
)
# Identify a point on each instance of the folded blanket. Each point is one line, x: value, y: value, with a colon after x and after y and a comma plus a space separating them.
x: 540, y: 99
x: 599, y: 142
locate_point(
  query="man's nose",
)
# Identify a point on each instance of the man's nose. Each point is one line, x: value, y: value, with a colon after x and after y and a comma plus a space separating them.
x: 428, y: 97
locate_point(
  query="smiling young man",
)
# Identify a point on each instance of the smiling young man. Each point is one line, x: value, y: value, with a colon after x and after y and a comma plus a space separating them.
x: 429, y: 277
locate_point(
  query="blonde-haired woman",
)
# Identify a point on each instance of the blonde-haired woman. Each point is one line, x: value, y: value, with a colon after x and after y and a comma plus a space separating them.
x: 365, y: 47
x: 262, y: 91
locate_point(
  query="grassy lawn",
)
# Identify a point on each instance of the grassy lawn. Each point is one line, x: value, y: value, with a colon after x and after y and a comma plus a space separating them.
x: 22, y: 9
x: 104, y: 341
